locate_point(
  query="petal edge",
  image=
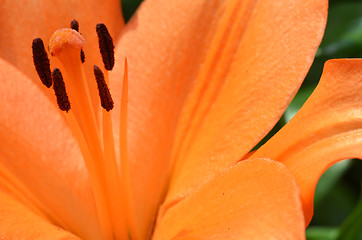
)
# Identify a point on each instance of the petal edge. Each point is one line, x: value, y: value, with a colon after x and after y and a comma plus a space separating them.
x: 327, y: 129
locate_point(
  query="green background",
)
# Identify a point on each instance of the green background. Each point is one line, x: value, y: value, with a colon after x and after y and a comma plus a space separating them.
x: 338, y: 208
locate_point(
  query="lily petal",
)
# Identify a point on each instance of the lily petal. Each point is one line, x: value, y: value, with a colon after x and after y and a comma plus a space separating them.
x: 23, y: 20
x: 235, y: 104
x: 253, y: 199
x: 38, y: 150
x: 201, y: 67
x: 201, y: 76
x: 17, y: 222
x: 327, y: 129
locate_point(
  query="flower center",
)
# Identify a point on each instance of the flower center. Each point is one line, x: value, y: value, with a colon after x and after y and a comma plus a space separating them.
x: 110, y: 183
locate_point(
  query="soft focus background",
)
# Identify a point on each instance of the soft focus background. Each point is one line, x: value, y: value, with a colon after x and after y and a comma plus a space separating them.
x: 338, y: 201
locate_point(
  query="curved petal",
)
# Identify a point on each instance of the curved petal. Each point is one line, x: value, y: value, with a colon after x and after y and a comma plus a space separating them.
x: 248, y: 91
x: 23, y: 20
x: 253, y: 199
x: 17, y: 222
x: 210, y: 69
x: 38, y: 150
x: 327, y: 129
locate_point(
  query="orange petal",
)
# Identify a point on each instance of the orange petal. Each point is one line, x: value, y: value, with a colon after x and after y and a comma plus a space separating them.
x: 210, y: 69
x: 253, y: 199
x: 327, y: 129
x: 17, y: 222
x: 22, y: 21
x: 38, y: 150
x: 247, y: 88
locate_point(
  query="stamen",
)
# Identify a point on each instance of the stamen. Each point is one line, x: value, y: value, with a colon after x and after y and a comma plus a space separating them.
x: 104, y: 94
x: 106, y: 46
x: 75, y: 26
x: 117, y: 201
x: 125, y: 173
x: 41, y: 62
x: 82, y: 56
x: 60, y: 92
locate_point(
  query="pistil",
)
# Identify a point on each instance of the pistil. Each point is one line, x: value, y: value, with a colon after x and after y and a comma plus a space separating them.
x: 96, y: 177
x: 66, y: 44
x: 111, y: 184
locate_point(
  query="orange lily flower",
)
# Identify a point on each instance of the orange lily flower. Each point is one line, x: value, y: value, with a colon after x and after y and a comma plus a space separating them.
x: 207, y: 81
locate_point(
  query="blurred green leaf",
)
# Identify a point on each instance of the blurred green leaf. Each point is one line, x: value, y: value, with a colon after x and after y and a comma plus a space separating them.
x: 321, y: 233
x: 344, y: 36
x: 129, y: 7
x: 329, y: 180
x: 352, y: 227
x: 335, y: 206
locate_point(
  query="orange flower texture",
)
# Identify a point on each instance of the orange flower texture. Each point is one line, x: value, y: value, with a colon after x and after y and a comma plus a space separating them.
x: 145, y: 130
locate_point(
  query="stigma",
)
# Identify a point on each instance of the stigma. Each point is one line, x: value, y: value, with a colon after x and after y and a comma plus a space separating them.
x: 64, y: 40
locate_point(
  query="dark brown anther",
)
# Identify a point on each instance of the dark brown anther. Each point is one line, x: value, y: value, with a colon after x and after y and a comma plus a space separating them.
x: 41, y: 62
x: 60, y: 92
x: 104, y: 94
x: 106, y: 46
x: 74, y: 25
x: 82, y: 56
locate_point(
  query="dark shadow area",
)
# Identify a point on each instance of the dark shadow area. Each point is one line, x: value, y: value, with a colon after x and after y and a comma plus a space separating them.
x: 129, y: 7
